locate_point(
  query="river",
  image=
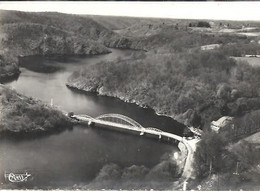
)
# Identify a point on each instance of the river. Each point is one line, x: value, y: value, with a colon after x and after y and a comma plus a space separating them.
x: 76, y: 156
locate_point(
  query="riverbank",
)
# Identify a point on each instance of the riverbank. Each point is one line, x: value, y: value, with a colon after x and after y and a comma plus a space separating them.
x: 193, y: 88
x: 77, y: 87
x: 185, y: 159
x: 47, y: 34
x: 23, y: 116
x: 10, y: 62
x: 10, y: 75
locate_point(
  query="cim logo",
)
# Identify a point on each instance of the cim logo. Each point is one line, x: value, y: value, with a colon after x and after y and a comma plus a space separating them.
x: 15, y: 178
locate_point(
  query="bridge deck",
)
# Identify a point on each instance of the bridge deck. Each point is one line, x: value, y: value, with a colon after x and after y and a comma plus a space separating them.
x: 140, y: 130
x: 187, y: 170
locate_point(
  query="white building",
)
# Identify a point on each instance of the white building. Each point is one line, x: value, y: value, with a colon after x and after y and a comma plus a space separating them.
x: 210, y: 46
x: 223, y: 124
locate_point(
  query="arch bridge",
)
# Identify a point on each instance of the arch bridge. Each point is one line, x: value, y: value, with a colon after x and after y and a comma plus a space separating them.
x: 121, y: 119
x: 124, y: 123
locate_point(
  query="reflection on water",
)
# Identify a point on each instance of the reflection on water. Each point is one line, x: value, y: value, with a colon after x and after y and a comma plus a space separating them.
x: 76, y: 156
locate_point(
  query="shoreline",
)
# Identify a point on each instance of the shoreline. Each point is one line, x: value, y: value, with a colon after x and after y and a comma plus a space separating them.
x: 184, y: 147
x: 10, y: 76
x: 70, y: 86
x: 14, y: 75
x: 32, y: 117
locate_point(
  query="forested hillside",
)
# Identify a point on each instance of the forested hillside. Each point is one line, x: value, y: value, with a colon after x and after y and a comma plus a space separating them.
x: 71, y: 23
x: 23, y: 34
x: 162, y: 37
x: 201, y: 85
x: 22, y: 115
x: 117, y: 23
x: 220, y: 165
x: 176, y: 77
x: 183, y: 69
x: 36, y: 39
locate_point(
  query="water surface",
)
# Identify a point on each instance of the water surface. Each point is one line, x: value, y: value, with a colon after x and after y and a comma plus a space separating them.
x: 76, y: 156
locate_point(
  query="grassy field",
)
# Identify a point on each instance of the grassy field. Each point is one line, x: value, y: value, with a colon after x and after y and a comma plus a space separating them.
x: 255, y: 139
x: 255, y: 62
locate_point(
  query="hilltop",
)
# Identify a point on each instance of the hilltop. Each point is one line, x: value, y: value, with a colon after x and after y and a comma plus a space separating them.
x: 178, y: 76
x: 173, y: 34
x: 51, y: 33
x: 24, y: 34
x: 117, y: 23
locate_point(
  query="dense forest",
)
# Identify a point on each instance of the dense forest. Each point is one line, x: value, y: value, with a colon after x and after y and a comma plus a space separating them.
x: 176, y: 77
x: 25, y: 34
x: 170, y: 38
x: 112, y: 176
x: 220, y: 165
x: 201, y: 86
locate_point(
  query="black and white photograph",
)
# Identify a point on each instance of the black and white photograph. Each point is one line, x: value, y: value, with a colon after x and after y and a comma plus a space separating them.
x: 130, y: 95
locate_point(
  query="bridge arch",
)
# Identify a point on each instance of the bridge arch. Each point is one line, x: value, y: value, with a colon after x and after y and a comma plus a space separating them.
x: 86, y: 116
x: 154, y: 129
x: 112, y: 117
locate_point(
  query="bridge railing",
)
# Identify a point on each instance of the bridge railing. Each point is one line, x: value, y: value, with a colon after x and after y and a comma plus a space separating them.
x: 128, y: 123
x: 120, y: 117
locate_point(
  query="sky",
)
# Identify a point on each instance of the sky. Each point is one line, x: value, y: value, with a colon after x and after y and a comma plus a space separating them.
x: 179, y: 10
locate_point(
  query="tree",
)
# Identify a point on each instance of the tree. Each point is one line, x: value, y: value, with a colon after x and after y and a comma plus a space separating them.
x: 208, y: 156
x: 70, y: 114
x: 223, y: 91
x: 203, y: 24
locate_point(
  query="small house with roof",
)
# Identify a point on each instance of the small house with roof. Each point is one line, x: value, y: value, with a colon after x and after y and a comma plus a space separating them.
x: 224, y: 126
